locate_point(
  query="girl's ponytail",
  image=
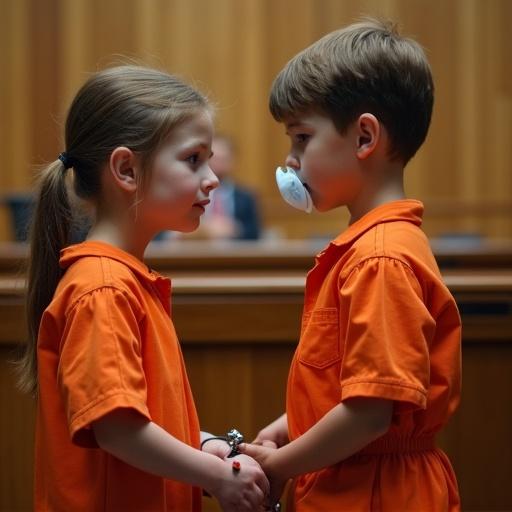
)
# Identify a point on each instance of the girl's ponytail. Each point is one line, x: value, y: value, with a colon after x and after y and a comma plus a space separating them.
x: 49, y: 233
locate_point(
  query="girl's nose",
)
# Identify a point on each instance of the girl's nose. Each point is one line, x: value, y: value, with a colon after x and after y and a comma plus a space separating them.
x: 210, y: 182
x: 293, y: 162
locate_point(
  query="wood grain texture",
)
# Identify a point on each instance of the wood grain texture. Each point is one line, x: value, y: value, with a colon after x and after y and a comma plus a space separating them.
x: 232, y: 50
x: 239, y: 330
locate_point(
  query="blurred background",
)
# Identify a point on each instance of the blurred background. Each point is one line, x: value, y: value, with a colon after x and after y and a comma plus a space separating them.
x: 232, y: 49
x: 237, y: 306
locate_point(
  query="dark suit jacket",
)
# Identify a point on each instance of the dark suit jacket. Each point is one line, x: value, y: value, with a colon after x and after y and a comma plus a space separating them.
x: 246, y: 213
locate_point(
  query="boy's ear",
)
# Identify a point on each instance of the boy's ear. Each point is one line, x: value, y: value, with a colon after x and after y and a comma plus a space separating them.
x: 123, y: 167
x: 368, y: 128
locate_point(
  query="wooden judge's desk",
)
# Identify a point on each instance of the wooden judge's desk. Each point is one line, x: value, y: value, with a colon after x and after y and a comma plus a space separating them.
x: 237, y: 308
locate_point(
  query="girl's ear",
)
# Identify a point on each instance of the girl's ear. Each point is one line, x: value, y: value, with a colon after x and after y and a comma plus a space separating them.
x: 123, y: 167
x: 368, y: 128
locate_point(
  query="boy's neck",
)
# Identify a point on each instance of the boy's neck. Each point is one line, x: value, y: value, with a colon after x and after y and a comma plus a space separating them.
x: 385, y: 187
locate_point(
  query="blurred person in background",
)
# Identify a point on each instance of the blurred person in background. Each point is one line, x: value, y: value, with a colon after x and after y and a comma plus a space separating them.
x: 233, y: 212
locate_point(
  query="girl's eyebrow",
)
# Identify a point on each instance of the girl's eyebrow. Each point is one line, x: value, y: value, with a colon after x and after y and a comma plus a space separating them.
x: 195, y: 144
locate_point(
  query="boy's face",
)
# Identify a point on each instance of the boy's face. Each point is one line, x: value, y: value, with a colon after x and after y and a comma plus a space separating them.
x: 325, y: 160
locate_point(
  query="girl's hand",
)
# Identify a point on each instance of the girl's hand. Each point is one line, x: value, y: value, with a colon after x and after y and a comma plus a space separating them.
x: 274, y: 435
x: 245, y: 490
x: 245, y: 460
x: 264, y: 455
x: 217, y: 447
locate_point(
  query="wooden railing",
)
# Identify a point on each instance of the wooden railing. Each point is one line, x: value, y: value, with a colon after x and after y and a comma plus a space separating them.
x: 237, y: 314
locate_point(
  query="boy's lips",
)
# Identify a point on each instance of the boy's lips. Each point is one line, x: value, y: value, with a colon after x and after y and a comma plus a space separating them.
x: 203, y: 204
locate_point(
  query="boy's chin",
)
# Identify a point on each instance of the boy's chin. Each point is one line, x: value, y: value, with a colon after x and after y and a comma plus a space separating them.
x: 325, y: 207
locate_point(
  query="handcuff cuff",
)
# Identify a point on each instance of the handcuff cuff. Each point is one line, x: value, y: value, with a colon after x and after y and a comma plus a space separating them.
x: 234, y: 438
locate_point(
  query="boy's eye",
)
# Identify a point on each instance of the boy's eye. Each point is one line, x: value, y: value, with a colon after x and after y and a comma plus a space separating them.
x: 301, y: 137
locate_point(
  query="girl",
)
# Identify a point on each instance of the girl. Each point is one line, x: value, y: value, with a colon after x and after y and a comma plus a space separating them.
x: 116, y: 426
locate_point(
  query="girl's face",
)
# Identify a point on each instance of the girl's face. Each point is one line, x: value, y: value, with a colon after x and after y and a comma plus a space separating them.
x: 181, y: 179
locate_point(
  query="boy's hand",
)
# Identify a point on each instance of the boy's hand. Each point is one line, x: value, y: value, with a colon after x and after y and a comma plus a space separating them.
x: 275, y: 434
x: 264, y: 456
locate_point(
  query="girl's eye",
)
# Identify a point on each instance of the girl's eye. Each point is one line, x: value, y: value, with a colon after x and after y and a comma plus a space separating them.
x: 193, y: 159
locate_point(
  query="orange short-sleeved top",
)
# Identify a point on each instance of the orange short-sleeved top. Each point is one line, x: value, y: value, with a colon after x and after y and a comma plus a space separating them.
x: 378, y: 321
x: 106, y: 341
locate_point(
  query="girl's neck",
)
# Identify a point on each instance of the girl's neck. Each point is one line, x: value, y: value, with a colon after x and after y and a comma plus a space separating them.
x: 124, y: 237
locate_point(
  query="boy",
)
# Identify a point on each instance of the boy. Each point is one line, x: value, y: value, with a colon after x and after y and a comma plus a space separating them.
x: 377, y: 370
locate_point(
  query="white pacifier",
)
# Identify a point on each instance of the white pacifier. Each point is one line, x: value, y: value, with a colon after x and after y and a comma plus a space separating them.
x: 293, y: 190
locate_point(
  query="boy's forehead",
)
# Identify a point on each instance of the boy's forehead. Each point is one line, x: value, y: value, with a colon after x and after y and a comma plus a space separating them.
x: 305, y: 119
x: 295, y: 120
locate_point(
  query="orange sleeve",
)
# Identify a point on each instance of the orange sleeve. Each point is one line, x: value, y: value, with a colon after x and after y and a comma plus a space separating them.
x: 388, y: 331
x: 100, y: 367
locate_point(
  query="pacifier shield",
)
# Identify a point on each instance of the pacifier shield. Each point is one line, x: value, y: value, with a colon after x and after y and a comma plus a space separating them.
x: 293, y: 190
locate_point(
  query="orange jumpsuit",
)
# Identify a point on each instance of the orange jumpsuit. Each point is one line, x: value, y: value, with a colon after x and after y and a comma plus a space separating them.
x: 105, y: 342
x: 379, y: 322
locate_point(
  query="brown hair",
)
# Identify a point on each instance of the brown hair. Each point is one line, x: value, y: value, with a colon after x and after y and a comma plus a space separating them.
x: 365, y: 67
x: 127, y: 106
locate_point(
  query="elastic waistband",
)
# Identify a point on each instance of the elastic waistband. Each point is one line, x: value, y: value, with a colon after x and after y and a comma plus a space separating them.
x: 394, y: 444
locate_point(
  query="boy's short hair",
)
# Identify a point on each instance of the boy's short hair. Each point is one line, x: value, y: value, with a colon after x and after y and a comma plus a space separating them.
x: 365, y: 67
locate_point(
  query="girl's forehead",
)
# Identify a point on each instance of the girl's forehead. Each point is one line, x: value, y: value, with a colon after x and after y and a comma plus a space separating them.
x: 195, y: 130
x: 197, y: 125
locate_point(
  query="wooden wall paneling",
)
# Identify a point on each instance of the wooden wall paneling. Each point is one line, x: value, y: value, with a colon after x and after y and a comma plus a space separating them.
x: 478, y: 423
x: 470, y: 84
x: 16, y: 442
x: 5, y: 60
x: 497, y: 169
x: 19, y: 80
x: 238, y: 374
x: 248, y: 394
x: 7, y: 53
x: 15, y: 105
x: 146, y: 33
x: 182, y: 20
x: 76, y: 62
x: 233, y: 50
x: 431, y: 173
x: 501, y: 165
x: 440, y: 154
x: 220, y: 60
x: 252, y: 93
x: 45, y: 85
x: 250, y: 391
x: 112, y: 32
x: 289, y: 28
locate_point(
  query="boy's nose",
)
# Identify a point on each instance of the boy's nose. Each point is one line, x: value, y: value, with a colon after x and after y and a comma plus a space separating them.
x: 292, y: 161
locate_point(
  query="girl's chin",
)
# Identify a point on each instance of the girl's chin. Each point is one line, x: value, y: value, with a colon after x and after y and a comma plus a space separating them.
x: 190, y: 227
